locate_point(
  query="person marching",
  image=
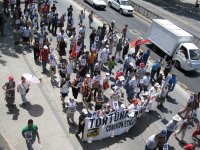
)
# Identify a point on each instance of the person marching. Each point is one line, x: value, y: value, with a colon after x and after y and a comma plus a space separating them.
x: 71, y: 109
x: 9, y: 88
x: 29, y: 133
x: 23, y: 89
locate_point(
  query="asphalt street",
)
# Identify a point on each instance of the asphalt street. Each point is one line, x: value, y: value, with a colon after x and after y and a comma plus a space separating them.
x: 46, y: 108
x: 139, y: 27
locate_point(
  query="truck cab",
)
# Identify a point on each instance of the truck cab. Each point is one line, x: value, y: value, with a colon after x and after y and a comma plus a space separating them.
x: 187, y: 57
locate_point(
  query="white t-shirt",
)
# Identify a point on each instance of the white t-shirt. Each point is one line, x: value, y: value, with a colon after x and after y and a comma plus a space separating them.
x: 60, y: 36
x: 133, y: 82
x: 146, y: 80
x: 22, y: 87
x: 65, y: 88
x: 104, y: 55
x: 53, y: 62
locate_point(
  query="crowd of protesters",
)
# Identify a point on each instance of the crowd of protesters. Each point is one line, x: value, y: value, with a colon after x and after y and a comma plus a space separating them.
x: 33, y: 26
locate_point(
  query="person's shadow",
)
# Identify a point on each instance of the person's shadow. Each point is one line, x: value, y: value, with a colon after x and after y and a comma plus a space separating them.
x: 35, y: 110
x: 13, y: 110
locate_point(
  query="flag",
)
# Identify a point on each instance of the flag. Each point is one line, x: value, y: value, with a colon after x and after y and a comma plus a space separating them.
x: 141, y: 42
x: 74, y: 52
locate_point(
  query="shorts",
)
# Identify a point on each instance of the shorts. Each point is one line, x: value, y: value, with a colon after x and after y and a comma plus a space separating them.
x: 64, y: 95
x: 26, y: 39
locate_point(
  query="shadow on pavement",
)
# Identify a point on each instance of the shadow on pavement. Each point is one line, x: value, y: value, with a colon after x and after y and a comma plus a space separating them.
x: 171, y: 100
x: 178, y: 7
x: 13, y: 111
x: 35, y: 110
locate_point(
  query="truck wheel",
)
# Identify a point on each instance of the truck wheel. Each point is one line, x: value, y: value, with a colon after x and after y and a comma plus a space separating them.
x: 109, y: 4
x: 177, y: 64
x: 121, y: 11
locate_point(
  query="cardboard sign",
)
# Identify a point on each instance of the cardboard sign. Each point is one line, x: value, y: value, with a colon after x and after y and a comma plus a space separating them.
x: 115, y: 105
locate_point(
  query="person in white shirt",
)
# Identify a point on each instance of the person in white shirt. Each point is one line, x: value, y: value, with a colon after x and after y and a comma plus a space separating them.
x: 81, y: 17
x: 134, y: 106
x: 49, y: 19
x: 53, y: 64
x: 23, y: 88
x: 64, y: 89
x: 71, y: 109
x: 154, y: 92
x: 146, y: 81
x: 61, y: 36
x: 104, y: 55
x: 69, y: 67
x: 26, y: 34
x: 172, y: 125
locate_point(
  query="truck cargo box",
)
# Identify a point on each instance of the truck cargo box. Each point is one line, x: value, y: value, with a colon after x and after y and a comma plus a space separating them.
x: 167, y: 36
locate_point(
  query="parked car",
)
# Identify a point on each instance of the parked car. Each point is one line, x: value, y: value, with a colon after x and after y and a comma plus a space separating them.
x: 97, y: 3
x: 122, y: 6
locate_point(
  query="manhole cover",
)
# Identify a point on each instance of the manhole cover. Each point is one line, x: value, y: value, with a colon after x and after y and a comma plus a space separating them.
x: 135, y: 32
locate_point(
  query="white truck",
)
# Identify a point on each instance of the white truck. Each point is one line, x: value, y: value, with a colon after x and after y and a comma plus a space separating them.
x: 176, y: 43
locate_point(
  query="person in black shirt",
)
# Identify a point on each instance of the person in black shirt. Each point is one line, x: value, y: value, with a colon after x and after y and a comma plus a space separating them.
x: 81, y: 123
x: 92, y: 36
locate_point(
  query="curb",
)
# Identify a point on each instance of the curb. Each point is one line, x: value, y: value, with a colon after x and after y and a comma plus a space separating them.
x: 4, y: 144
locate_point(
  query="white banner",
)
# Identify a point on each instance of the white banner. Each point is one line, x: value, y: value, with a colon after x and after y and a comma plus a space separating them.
x: 108, y: 126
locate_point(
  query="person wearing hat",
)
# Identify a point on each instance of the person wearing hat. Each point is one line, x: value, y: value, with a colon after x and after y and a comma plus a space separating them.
x: 154, y: 92
x: 189, y: 106
x: 9, y: 88
x: 44, y: 54
x: 140, y: 72
x: 81, y: 123
x: 183, y: 128
x: 137, y: 46
x: 191, y: 146
x: 104, y: 56
x: 135, y: 105
x: 144, y: 100
x: 172, y: 125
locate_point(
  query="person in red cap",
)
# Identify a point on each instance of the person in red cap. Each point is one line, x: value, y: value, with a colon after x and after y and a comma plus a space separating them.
x: 9, y: 88
x: 140, y: 73
x: 135, y: 105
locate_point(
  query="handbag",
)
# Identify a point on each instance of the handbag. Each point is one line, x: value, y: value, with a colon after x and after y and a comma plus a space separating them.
x: 27, y: 90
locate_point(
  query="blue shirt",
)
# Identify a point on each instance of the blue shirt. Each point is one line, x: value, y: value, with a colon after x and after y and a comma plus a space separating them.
x: 145, y: 57
x: 155, y: 66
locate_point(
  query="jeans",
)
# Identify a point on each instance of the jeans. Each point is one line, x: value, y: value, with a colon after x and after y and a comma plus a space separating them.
x: 44, y: 66
x: 24, y: 100
x: 30, y: 144
x: 168, y: 134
